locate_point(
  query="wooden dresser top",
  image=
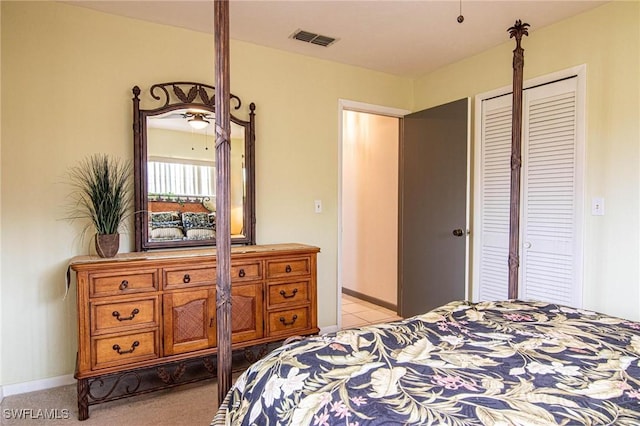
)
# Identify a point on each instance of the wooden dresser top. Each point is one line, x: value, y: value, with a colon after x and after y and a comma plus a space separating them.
x: 194, y: 253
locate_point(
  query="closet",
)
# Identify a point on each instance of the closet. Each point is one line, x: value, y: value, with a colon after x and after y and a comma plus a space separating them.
x: 551, y: 195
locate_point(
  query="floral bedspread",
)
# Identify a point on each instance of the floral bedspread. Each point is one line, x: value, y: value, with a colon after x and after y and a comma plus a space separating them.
x: 491, y: 363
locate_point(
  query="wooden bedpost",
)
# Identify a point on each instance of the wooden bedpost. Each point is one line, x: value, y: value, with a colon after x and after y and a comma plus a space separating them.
x: 517, y: 31
x: 223, y: 210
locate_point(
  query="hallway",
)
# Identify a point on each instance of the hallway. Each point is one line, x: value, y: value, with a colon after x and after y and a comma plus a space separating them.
x: 357, y: 312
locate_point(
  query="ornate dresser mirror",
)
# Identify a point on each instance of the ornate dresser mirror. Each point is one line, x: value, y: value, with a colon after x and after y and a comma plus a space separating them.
x: 175, y: 170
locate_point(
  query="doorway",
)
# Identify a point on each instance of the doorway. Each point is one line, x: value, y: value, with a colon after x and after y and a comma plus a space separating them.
x: 368, y: 216
x: 430, y: 243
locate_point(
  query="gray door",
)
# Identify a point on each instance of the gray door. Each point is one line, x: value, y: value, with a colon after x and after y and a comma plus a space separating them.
x: 432, y: 255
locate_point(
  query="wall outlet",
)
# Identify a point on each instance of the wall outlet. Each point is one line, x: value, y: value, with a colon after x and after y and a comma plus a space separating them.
x: 597, y: 206
x: 318, y: 206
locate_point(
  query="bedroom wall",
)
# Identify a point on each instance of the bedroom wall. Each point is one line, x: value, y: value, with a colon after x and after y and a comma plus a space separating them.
x: 67, y: 74
x: 607, y: 40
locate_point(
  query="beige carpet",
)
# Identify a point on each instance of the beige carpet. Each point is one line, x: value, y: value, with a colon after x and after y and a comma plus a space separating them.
x: 193, y: 404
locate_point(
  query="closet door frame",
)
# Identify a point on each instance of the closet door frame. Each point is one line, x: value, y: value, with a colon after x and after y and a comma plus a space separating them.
x: 580, y: 73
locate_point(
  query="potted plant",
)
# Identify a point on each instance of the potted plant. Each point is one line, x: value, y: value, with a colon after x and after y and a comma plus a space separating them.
x: 102, y: 195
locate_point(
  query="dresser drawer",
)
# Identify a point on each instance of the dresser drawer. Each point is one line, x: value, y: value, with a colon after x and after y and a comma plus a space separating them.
x: 125, y: 349
x: 122, y: 282
x: 295, y: 266
x: 287, y: 294
x: 246, y: 271
x: 288, y: 321
x: 123, y: 315
x: 189, y: 277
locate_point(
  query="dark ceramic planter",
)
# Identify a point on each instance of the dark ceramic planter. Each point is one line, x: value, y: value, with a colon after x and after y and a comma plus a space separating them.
x: 107, y: 245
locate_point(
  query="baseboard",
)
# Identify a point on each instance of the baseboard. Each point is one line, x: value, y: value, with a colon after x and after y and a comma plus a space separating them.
x: 370, y: 299
x: 329, y: 329
x: 36, y: 385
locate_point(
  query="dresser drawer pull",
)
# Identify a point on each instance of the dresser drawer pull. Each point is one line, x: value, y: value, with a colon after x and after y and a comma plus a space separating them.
x: 186, y: 279
x: 241, y: 273
x: 124, y: 284
x: 133, y: 348
x: 287, y: 269
x: 284, y: 293
x: 293, y: 320
x: 116, y: 314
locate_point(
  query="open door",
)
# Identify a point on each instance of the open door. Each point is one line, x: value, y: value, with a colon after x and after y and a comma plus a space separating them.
x: 433, y: 201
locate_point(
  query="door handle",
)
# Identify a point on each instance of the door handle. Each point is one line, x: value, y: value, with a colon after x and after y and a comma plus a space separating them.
x: 458, y: 232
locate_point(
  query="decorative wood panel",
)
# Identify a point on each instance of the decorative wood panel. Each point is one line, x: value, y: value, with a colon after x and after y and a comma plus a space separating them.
x: 246, y: 313
x: 189, y: 321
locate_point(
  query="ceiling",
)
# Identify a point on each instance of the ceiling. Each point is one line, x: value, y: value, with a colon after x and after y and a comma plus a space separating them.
x: 400, y: 37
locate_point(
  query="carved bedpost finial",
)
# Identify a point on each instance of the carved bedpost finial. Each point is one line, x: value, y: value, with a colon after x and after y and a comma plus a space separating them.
x: 518, y: 30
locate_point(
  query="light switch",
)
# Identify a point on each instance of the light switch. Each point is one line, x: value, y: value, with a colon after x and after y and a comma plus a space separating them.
x: 597, y: 206
x: 318, y: 206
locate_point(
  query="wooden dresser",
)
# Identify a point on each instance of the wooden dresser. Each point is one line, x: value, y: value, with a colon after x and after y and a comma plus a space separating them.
x: 155, y: 312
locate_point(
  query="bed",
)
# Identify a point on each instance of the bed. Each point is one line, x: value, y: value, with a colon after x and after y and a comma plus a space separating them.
x: 490, y: 363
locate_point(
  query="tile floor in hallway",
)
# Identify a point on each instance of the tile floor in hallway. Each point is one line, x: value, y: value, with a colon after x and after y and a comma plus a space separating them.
x: 357, y: 312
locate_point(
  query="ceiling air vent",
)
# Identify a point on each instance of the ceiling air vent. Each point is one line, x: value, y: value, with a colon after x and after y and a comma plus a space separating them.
x: 314, y: 38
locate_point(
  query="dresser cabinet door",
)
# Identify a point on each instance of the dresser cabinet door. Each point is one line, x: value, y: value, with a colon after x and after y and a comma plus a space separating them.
x: 246, y: 312
x: 189, y: 320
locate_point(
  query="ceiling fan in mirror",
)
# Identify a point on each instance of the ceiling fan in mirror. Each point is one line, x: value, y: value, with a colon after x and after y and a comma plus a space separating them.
x: 198, y: 120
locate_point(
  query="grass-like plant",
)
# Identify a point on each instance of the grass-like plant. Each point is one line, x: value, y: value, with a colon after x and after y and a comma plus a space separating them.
x: 102, y: 193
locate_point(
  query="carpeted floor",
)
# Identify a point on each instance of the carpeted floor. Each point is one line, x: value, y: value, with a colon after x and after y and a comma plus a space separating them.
x: 191, y: 405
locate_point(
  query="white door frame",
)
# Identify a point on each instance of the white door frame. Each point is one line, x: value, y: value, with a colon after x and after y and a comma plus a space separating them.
x: 347, y: 105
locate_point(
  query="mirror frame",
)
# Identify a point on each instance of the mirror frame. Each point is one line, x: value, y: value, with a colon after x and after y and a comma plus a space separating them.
x: 178, y: 96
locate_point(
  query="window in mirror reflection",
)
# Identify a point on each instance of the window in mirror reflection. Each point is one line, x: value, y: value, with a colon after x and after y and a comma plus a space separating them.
x: 170, y: 176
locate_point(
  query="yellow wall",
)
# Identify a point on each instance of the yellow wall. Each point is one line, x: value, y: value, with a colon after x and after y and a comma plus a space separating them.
x: 67, y: 74
x: 607, y: 40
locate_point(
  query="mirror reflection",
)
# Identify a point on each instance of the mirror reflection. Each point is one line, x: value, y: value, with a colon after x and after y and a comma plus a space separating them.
x: 181, y: 176
x: 176, y: 172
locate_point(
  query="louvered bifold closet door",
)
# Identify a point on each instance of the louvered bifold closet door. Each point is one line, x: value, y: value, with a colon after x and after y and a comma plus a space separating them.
x: 492, y: 272
x: 549, y: 260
